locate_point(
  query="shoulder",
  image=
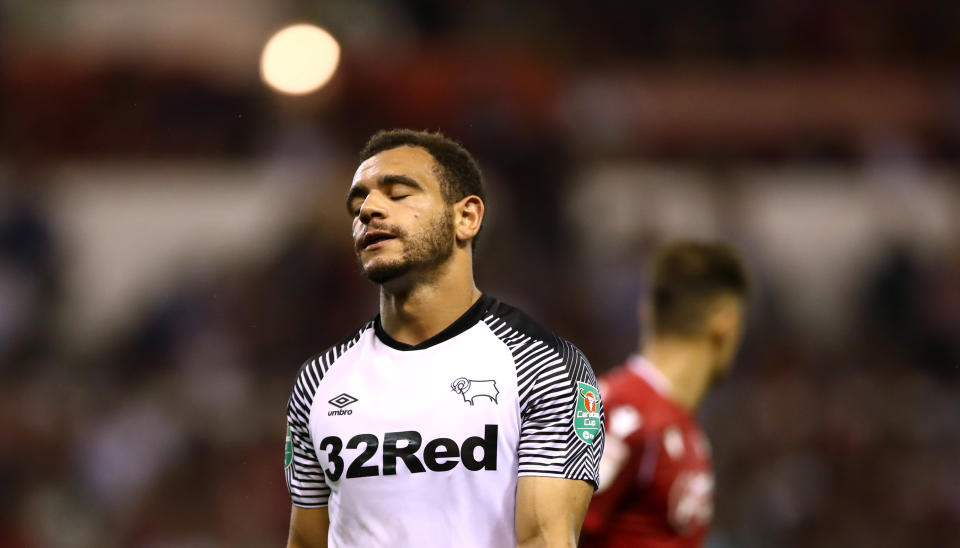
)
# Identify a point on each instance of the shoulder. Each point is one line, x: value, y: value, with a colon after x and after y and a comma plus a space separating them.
x: 633, y: 406
x: 506, y: 320
x: 513, y: 326
x: 312, y: 370
x: 333, y: 353
x: 536, y: 349
x: 620, y: 386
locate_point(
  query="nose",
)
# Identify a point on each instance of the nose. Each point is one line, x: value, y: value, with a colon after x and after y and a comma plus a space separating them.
x: 372, y: 206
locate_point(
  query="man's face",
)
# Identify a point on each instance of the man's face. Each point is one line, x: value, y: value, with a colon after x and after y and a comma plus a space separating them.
x: 401, y: 222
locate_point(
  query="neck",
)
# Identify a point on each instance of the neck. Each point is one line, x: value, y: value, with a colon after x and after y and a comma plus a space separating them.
x: 413, y: 312
x: 687, y: 363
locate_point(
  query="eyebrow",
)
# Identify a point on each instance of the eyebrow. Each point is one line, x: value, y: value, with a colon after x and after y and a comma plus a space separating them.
x: 389, y: 179
x: 399, y: 179
x: 355, y: 192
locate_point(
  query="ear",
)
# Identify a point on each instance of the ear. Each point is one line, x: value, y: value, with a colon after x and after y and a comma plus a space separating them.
x: 469, y: 218
x: 725, y: 326
x: 724, y: 319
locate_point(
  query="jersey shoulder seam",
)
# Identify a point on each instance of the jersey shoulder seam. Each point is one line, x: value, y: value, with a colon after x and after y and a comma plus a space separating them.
x: 313, y: 370
x: 535, y: 350
x: 506, y: 322
x: 512, y: 325
x: 336, y: 351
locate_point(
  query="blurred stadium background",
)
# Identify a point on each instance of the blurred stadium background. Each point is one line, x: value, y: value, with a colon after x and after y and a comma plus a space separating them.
x: 173, y: 241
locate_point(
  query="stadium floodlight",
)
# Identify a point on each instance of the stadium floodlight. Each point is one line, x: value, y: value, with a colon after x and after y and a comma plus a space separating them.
x: 299, y: 59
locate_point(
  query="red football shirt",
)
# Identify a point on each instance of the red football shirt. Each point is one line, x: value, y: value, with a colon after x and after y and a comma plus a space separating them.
x: 656, y: 482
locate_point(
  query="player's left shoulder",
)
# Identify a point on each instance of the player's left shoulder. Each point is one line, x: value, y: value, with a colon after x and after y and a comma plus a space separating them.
x: 515, y: 327
x: 510, y: 323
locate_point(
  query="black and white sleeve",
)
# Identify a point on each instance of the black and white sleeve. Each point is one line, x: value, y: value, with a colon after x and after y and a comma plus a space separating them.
x: 303, y: 472
x: 561, y: 432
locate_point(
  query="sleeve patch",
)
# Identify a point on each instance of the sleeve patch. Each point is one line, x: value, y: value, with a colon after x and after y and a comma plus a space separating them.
x: 288, y: 450
x: 586, y: 418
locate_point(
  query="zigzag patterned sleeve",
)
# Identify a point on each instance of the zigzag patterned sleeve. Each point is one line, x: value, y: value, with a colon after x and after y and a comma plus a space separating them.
x: 548, y: 377
x: 304, y: 475
x: 303, y: 472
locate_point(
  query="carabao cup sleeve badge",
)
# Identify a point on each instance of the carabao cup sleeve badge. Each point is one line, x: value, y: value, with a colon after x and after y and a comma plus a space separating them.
x: 586, y: 417
x: 288, y: 450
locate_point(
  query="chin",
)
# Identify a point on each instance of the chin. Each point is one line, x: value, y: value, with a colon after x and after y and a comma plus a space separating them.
x: 383, y: 272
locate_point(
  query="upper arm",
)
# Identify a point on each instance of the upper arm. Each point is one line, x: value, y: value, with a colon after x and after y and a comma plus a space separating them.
x: 309, y: 519
x: 308, y: 528
x: 561, y: 440
x: 550, y: 511
x: 561, y: 416
x: 305, y: 481
x: 302, y: 470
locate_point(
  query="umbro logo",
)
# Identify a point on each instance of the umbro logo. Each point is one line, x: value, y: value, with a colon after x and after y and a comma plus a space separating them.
x: 340, y: 402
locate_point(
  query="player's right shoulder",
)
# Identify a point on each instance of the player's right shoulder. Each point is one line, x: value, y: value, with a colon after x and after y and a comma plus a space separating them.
x: 333, y: 353
x: 313, y: 370
x: 633, y: 404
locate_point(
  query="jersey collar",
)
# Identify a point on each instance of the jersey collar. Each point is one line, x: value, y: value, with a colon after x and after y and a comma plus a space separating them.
x: 473, y: 315
x: 645, y: 369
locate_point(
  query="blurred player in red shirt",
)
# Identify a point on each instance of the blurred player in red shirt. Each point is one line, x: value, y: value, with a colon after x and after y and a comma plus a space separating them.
x: 656, y: 481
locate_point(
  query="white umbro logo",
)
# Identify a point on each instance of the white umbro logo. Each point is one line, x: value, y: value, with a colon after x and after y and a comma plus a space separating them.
x: 340, y: 402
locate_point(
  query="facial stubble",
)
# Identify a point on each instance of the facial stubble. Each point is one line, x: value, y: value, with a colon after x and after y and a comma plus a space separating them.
x: 423, y: 252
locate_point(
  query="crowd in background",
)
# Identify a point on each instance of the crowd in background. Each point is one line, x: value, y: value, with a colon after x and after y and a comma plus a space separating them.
x: 168, y: 432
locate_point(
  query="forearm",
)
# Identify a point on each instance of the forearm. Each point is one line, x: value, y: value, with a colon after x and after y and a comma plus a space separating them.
x: 551, y: 534
x: 550, y: 511
x: 295, y: 541
x: 543, y: 541
x: 308, y: 528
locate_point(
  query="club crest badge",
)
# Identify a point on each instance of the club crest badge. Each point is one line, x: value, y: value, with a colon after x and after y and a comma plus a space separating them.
x: 470, y: 389
x: 586, y: 416
x: 288, y: 450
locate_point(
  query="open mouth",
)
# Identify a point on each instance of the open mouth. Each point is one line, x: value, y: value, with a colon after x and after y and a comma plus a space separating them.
x: 371, y: 239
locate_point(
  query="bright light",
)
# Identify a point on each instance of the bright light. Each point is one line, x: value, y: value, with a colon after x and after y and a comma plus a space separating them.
x: 299, y: 59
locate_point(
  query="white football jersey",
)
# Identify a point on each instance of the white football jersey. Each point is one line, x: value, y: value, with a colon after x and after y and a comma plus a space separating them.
x: 422, y: 445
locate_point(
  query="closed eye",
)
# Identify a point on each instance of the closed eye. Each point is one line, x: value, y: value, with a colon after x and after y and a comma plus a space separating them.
x: 399, y: 197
